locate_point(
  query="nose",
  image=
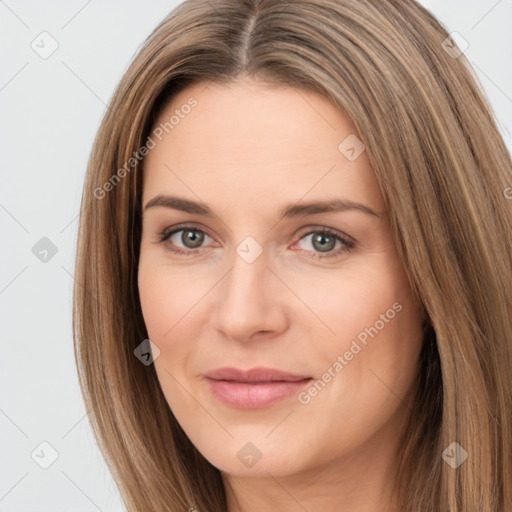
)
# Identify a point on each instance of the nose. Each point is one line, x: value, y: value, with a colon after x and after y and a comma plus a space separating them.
x: 251, y: 301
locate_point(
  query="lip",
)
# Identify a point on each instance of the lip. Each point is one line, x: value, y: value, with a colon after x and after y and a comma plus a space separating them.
x: 254, y: 388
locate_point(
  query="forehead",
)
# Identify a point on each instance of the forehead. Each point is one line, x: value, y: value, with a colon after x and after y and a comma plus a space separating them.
x: 251, y: 140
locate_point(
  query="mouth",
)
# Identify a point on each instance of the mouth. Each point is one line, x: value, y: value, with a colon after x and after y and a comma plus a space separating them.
x: 255, y: 388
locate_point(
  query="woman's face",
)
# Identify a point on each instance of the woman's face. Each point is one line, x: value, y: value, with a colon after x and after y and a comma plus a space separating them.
x: 260, y: 273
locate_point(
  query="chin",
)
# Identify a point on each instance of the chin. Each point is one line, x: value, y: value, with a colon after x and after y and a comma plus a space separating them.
x: 255, y: 459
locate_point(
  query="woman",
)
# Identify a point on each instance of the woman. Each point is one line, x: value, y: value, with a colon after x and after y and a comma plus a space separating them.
x: 294, y: 266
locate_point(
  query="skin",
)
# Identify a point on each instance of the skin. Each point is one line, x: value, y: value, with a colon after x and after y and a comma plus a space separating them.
x: 247, y: 150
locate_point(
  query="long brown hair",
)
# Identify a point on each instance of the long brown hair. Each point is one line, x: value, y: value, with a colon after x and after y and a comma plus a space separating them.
x: 444, y: 172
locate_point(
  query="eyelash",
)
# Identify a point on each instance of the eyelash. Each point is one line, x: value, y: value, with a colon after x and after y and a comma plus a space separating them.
x: 348, y: 243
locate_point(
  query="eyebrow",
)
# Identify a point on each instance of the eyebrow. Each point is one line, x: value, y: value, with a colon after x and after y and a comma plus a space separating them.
x: 290, y: 211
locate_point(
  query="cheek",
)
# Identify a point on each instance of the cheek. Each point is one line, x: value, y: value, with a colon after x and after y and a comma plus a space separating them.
x: 375, y: 352
x: 378, y: 315
x: 343, y: 303
x: 365, y: 374
x: 167, y: 301
x: 375, y: 336
x: 165, y: 297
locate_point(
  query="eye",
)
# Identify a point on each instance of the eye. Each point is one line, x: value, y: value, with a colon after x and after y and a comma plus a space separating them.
x: 184, y: 239
x: 322, y: 242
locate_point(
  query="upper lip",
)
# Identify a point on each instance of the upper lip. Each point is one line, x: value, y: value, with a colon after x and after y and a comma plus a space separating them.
x: 260, y: 374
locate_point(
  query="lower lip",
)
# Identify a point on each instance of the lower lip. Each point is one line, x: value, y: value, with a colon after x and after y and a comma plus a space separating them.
x: 254, y: 395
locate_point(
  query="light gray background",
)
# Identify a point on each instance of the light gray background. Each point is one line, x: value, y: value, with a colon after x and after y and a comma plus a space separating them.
x: 50, y: 111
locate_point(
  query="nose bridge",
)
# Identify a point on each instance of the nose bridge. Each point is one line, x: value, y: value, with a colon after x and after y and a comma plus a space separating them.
x: 245, y: 283
x: 247, y: 301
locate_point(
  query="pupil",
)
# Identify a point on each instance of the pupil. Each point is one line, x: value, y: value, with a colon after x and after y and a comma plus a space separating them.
x: 196, y: 239
x: 321, y: 240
